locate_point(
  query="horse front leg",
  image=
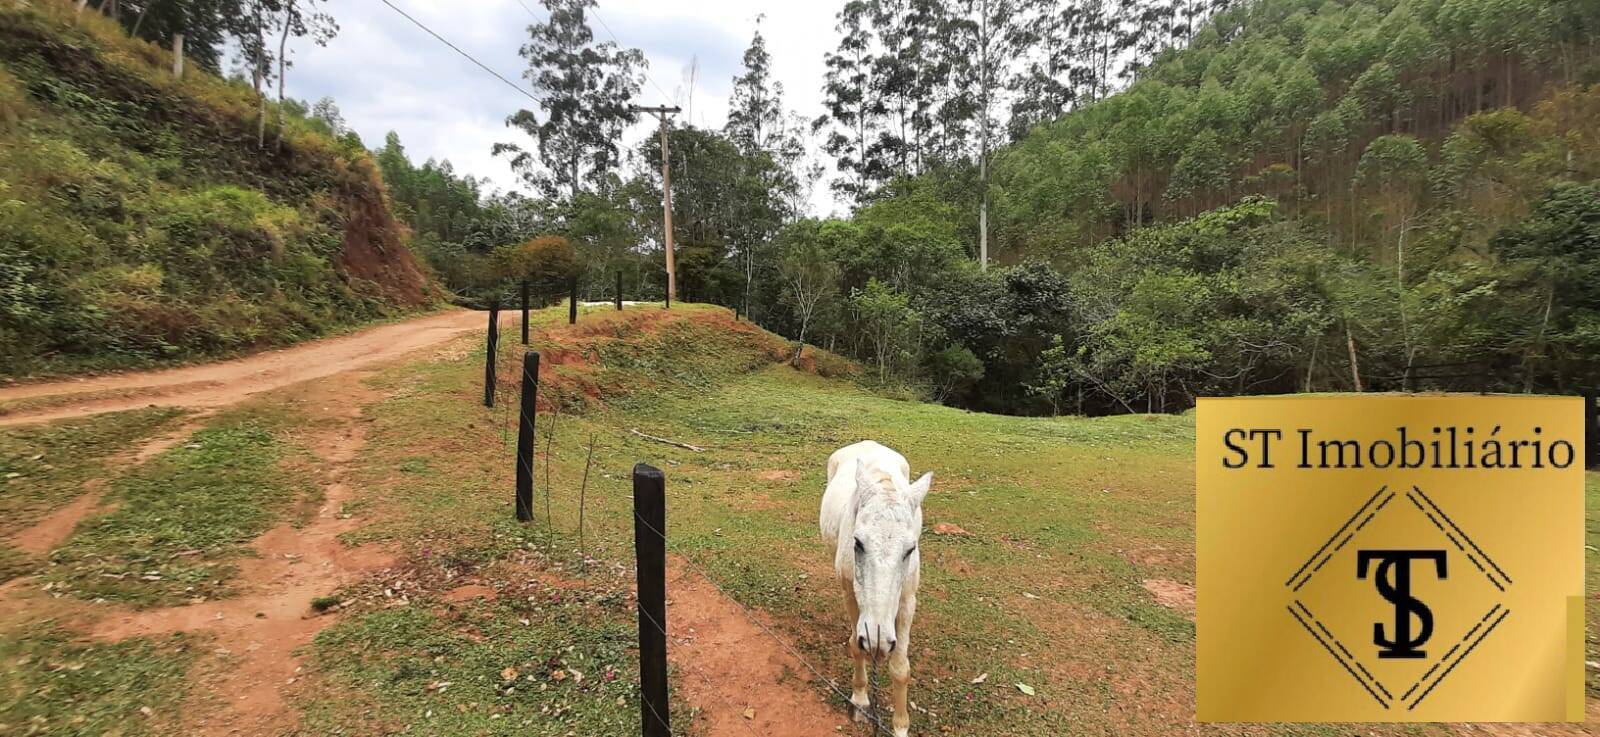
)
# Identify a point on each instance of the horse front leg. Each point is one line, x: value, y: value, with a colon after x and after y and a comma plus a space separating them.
x: 900, y: 665
x: 860, y: 699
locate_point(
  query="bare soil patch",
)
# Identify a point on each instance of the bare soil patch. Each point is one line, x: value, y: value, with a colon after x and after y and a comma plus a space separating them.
x: 950, y: 528
x: 739, y: 679
x: 469, y: 592
x: 1171, y: 594
x: 56, y: 527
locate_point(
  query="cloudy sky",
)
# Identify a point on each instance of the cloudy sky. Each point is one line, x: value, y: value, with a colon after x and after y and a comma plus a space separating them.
x: 388, y: 75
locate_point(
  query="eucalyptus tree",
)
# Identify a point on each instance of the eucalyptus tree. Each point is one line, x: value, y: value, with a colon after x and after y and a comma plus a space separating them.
x: 758, y: 123
x: 755, y: 110
x: 854, y: 114
x: 907, y: 74
x: 301, y: 19
x: 983, y: 44
x: 584, y: 87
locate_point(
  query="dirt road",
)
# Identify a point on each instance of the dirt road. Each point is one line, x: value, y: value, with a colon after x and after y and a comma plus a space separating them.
x: 219, y: 384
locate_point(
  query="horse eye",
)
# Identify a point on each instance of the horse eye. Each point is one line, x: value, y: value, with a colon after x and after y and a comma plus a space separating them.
x: 859, y: 547
x: 912, y: 550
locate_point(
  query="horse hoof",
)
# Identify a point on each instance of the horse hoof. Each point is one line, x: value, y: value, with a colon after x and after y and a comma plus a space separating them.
x: 858, y: 713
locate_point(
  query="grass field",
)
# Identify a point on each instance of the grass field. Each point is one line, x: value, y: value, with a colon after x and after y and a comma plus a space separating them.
x: 1047, y: 544
x: 1064, y: 524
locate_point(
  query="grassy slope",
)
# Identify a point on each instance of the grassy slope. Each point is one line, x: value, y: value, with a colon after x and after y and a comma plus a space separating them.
x: 140, y: 222
x: 1067, y: 518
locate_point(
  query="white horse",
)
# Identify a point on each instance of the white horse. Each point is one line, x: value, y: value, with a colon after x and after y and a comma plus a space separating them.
x: 872, y: 516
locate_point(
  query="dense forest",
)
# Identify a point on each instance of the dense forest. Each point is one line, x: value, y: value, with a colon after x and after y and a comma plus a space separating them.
x: 149, y: 217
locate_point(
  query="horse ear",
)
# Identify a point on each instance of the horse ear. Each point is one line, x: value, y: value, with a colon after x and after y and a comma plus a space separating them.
x: 863, y: 482
x: 920, y: 488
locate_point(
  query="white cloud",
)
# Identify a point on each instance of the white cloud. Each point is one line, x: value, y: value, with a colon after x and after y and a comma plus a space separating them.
x: 387, y: 74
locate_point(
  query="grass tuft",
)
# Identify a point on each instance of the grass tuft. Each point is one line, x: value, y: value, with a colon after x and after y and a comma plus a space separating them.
x: 52, y: 683
x: 179, y: 521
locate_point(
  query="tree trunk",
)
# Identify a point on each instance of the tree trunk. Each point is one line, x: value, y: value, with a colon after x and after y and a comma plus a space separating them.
x: 283, y: 64
x: 1311, y: 364
x: 1538, y: 345
x: 983, y: 216
x: 258, y: 74
x: 140, y: 20
x: 1400, y: 304
x: 1355, y: 368
x: 800, y: 341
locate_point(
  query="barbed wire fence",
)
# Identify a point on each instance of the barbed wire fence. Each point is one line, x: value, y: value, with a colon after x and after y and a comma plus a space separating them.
x: 511, y: 423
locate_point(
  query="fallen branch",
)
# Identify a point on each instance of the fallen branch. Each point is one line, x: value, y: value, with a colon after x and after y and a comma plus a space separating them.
x: 685, y: 446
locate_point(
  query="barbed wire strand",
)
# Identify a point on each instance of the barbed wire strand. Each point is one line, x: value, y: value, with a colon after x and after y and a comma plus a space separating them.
x: 711, y: 687
x: 871, y: 715
x: 829, y: 682
x: 738, y: 713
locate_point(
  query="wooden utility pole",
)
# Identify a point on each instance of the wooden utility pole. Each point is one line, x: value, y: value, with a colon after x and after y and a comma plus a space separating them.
x: 666, y: 194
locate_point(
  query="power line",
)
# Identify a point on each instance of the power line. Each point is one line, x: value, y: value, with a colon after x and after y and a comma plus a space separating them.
x: 469, y: 57
x: 530, y: 10
x: 595, y: 11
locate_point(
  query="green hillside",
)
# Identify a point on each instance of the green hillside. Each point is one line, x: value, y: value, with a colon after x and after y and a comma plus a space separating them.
x: 1307, y: 195
x: 141, y: 220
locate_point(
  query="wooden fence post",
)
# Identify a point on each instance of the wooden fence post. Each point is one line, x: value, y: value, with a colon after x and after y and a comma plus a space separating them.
x: 525, y: 436
x: 491, y: 351
x: 1591, y: 428
x: 650, y: 546
x: 572, y: 304
x: 619, y: 290
x: 524, y: 311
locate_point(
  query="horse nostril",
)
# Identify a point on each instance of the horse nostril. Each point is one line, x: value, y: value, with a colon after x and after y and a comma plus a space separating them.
x: 861, y: 642
x: 891, y: 644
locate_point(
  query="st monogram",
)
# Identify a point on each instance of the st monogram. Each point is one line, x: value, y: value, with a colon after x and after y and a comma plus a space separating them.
x: 1394, y: 584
